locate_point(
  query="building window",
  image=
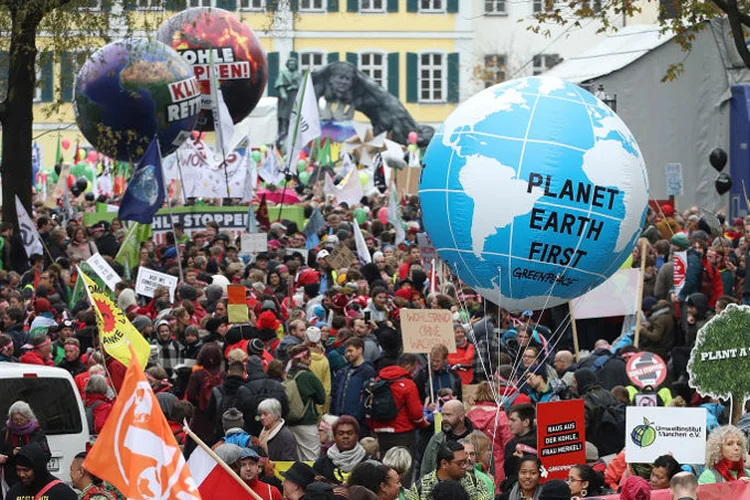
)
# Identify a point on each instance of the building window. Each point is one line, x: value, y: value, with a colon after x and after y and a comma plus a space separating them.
x: 432, y: 77
x: 312, y: 5
x: 431, y: 5
x: 201, y: 3
x: 494, y: 7
x: 374, y: 65
x: 545, y: 62
x: 594, y: 5
x: 372, y: 5
x: 252, y: 5
x: 543, y: 5
x: 93, y: 5
x: 495, y: 67
x: 311, y: 61
x: 149, y: 5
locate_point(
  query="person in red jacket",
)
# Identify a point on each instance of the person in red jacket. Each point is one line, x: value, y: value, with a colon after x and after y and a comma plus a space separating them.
x: 98, y: 404
x: 400, y: 431
x: 462, y: 361
x: 249, y: 469
x: 41, y: 354
x: 711, y: 284
x: 493, y: 422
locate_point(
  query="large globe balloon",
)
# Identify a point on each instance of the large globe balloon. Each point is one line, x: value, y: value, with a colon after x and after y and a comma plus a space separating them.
x: 209, y: 35
x: 534, y: 192
x: 130, y: 91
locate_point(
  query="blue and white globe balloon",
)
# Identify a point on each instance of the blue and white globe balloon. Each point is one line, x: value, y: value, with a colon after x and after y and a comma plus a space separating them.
x: 534, y: 191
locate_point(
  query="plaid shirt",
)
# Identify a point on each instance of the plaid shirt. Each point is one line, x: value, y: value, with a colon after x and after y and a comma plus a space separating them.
x: 486, y: 344
x: 475, y: 488
x: 170, y: 354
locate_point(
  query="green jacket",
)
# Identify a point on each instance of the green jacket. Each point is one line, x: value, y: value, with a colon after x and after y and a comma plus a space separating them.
x: 310, y: 388
x: 484, y: 478
x: 475, y: 488
x: 429, y: 459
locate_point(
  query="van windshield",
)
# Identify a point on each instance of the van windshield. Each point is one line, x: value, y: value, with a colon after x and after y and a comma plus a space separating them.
x: 51, y: 399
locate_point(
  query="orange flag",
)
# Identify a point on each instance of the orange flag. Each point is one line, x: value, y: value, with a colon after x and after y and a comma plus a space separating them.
x: 136, y: 451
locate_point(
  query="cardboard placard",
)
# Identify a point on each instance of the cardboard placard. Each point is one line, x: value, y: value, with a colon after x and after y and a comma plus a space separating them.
x: 655, y: 431
x: 561, y: 436
x: 104, y: 271
x: 253, y: 243
x: 673, y: 175
x: 341, y: 257
x: 422, y: 329
x: 149, y: 280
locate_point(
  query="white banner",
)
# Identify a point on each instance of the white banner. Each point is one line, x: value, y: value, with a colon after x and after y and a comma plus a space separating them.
x: 148, y: 280
x: 304, y: 122
x: 253, y: 243
x: 651, y: 432
x: 202, y: 175
x: 614, y: 297
x: 104, y: 270
x: 32, y: 243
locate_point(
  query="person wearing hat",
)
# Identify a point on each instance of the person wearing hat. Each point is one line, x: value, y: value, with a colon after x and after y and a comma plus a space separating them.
x: 667, y: 225
x: 319, y: 364
x: 34, y: 479
x: 41, y: 352
x: 555, y: 489
x: 249, y: 469
x: 298, y: 477
x: 65, y: 330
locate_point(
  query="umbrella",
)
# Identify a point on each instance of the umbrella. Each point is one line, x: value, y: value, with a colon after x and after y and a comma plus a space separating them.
x: 288, y: 196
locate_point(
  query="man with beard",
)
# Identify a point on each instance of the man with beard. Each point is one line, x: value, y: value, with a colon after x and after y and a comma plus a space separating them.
x: 35, y: 480
x: 455, y: 426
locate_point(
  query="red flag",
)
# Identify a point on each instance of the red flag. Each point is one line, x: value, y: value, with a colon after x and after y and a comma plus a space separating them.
x: 261, y: 215
x: 211, y: 478
x: 136, y: 451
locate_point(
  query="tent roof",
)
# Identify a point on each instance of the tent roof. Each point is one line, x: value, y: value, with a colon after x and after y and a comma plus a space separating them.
x: 613, y: 53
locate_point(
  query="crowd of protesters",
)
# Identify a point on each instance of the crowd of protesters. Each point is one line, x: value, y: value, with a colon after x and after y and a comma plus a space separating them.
x: 316, y: 375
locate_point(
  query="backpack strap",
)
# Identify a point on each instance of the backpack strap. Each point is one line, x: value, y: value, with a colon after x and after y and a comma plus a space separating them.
x: 601, y: 361
x: 46, y: 488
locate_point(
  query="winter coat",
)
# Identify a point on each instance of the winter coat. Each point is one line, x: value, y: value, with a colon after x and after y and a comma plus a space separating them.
x: 406, y: 398
x: 310, y: 390
x: 322, y: 369
x: 444, y: 378
x: 612, y: 373
x: 462, y: 361
x: 372, y: 347
x: 227, y: 393
x: 429, y: 459
x: 11, y: 441
x: 33, y: 358
x: 494, y: 424
x: 658, y: 337
x: 555, y: 390
x: 693, y: 275
x: 347, y: 393
x: 702, y: 315
x: 101, y: 406
x: 38, y: 458
x: 257, y: 388
x: 712, y: 285
x: 282, y: 447
x: 664, y: 281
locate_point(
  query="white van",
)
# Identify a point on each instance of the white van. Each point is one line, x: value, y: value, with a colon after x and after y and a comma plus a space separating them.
x: 54, y: 399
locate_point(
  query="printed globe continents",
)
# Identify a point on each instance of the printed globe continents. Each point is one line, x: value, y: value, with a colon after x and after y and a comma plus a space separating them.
x: 534, y: 192
x: 130, y: 91
x: 206, y: 36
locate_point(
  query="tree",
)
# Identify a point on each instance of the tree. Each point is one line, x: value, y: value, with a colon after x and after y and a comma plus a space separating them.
x: 684, y: 18
x: 718, y: 362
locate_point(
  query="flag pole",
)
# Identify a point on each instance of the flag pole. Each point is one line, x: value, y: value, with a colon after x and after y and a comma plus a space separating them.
x: 169, y: 209
x: 294, y: 139
x: 214, y: 84
x: 219, y: 461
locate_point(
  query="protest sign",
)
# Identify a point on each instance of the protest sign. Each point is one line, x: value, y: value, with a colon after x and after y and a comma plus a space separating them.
x: 736, y: 490
x: 148, y: 280
x: 237, y: 304
x: 104, y: 270
x: 646, y: 400
x: 673, y: 175
x: 341, y: 257
x: 680, y: 269
x: 655, y: 431
x: 253, y: 243
x: 301, y: 251
x: 422, y: 329
x: 561, y: 436
x: 718, y: 361
x: 614, y: 297
x: 646, y: 368
x: 426, y: 252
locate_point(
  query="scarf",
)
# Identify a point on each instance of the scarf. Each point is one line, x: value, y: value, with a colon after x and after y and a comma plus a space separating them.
x: 725, y: 468
x: 268, y: 434
x: 22, y: 430
x: 347, y: 460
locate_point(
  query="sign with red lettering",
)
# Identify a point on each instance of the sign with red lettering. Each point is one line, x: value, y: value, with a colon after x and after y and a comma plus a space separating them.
x: 680, y: 269
x: 646, y: 368
x: 561, y: 436
x: 422, y: 329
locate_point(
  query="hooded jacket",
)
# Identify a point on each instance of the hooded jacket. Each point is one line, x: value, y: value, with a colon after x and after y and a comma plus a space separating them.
x: 34, y: 456
x: 485, y: 417
x: 257, y: 388
x: 406, y: 398
x: 347, y: 393
x: 659, y: 335
x: 702, y: 315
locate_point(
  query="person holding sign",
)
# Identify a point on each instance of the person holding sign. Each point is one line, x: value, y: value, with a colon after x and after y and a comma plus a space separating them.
x: 726, y: 449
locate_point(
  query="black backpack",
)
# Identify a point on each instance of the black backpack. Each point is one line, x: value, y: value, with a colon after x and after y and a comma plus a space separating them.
x: 377, y: 399
x: 609, y: 431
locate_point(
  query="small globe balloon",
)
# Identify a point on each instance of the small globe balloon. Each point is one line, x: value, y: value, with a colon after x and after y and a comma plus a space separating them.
x: 210, y: 36
x: 534, y: 192
x: 131, y: 91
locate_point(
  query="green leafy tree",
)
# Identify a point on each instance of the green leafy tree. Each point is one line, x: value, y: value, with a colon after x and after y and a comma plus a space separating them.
x: 684, y: 18
x: 718, y: 362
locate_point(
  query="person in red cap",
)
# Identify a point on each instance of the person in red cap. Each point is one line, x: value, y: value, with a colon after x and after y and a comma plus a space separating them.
x: 668, y: 226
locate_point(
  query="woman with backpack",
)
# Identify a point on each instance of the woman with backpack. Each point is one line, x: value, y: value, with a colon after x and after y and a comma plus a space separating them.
x: 304, y: 391
x: 200, y: 385
x: 98, y: 403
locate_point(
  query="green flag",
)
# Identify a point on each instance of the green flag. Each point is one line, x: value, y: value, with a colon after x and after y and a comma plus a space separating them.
x: 130, y: 249
x: 58, y: 155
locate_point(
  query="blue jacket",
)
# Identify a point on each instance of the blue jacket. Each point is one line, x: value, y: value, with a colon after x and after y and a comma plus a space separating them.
x: 346, y: 392
x: 693, y: 275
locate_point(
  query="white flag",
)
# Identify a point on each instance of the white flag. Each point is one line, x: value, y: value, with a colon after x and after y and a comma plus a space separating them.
x: 223, y: 125
x: 329, y: 188
x: 271, y: 170
x: 350, y: 191
x: 32, y: 243
x: 394, y: 217
x: 359, y: 240
x: 304, y: 122
x: 346, y: 164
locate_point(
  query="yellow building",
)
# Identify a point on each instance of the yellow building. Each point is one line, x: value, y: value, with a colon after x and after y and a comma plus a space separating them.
x: 419, y: 50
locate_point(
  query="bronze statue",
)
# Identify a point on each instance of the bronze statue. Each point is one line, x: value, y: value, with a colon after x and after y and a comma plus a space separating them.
x: 287, y: 85
x: 346, y: 89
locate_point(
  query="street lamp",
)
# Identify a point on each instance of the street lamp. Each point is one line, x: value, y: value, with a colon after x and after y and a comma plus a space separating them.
x: 607, y: 99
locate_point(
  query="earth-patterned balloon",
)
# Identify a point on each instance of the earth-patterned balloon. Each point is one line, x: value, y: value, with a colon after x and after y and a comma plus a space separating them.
x: 131, y: 91
x: 206, y: 36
